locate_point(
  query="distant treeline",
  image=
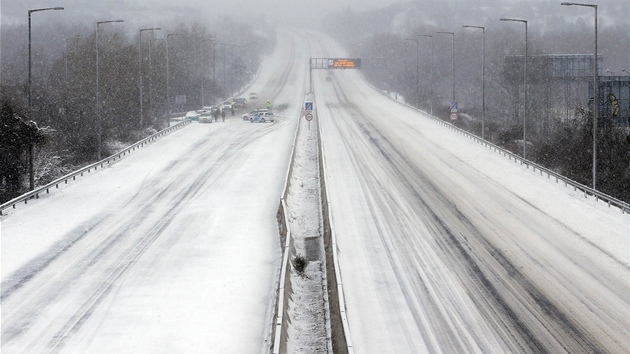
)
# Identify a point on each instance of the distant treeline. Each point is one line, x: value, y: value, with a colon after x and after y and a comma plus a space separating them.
x: 63, y: 125
x: 403, y: 53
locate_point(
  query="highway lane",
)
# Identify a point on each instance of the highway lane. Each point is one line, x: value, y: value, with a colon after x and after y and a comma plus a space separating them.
x: 179, y: 250
x: 440, y: 252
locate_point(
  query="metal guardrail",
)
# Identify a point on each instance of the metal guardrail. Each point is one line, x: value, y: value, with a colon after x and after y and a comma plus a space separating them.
x: 34, y: 194
x: 611, y: 201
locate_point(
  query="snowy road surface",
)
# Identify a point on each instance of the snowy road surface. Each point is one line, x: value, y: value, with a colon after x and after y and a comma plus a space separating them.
x: 444, y: 245
x: 447, y: 247
x: 173, y: 249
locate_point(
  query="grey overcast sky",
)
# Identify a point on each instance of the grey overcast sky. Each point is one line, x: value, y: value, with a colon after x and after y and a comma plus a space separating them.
x: 298, y: 11
x: 294, y: 12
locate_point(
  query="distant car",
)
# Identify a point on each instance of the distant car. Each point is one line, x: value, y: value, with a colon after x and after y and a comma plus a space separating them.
x: 254, y: 112
x: 205, y: 117
x: 240, y: 102
x: 192, y: 115
x: 226, y: 106
x: 253, y: 96
x: 263, y: 117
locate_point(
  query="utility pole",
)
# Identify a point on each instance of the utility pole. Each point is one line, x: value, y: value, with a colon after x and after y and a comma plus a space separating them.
x: 595, y: 92
x: 31, y: 154
x: 483, y: 78
x: 431, y: 98
x: 141, y: 87
x: 524, y: 83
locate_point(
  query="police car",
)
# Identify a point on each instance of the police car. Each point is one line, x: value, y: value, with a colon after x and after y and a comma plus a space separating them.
x: 262, y: 117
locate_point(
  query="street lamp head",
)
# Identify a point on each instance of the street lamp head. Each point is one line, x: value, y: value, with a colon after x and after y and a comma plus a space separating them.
x: 445, y: 32
x: 514, y: 20
x: 110, y: 21
x: 471, y: 26
x: 45, y: 9
x: 577, y: 4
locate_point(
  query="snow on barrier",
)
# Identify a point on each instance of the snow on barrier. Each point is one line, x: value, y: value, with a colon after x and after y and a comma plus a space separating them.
x: 340, y: 332
x: 34, y: 194
x: 611, y: 201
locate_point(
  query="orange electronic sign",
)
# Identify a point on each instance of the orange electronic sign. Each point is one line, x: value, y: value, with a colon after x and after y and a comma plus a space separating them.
x: 344, y: 63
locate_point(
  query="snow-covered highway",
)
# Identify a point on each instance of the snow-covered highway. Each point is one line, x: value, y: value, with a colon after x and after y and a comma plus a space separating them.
x: 174, y: 248
x: 444, y: 246
x: 448, y: 247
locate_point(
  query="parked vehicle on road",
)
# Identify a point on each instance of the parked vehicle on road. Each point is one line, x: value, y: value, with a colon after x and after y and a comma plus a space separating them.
x: 253, y: 96
x: 226, y: 106
x: 263, y: 117
x: 240, y: 102
x: 205, y: 117
x: 192, y: 115
x: 251, y: 114
x: 204, y: 109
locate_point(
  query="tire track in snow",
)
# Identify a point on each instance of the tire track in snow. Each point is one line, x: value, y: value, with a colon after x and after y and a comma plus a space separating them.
x: 110, y: 254
x: 458, y: 246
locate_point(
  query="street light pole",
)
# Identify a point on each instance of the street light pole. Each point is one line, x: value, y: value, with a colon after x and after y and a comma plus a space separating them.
x: 66, y: 59
x: 595, y: 92
x: 417, y: 70
x: 31, y: 169
x: 483, y: 78
x: 168, y: 97
x: 156, y: 40
x: 214, y: 59
x: 98, y: 93
x: 389, y: 63
x: 225, y: 57
x: 524, y: 83
x: 30, y: 75
x: 140, y: 69
x: 203, y: 67
x: 431, y: 98
x: 452, y: 61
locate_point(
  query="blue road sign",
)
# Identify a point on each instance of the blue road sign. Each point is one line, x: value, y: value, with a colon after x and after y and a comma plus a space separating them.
x: 308, y: 106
